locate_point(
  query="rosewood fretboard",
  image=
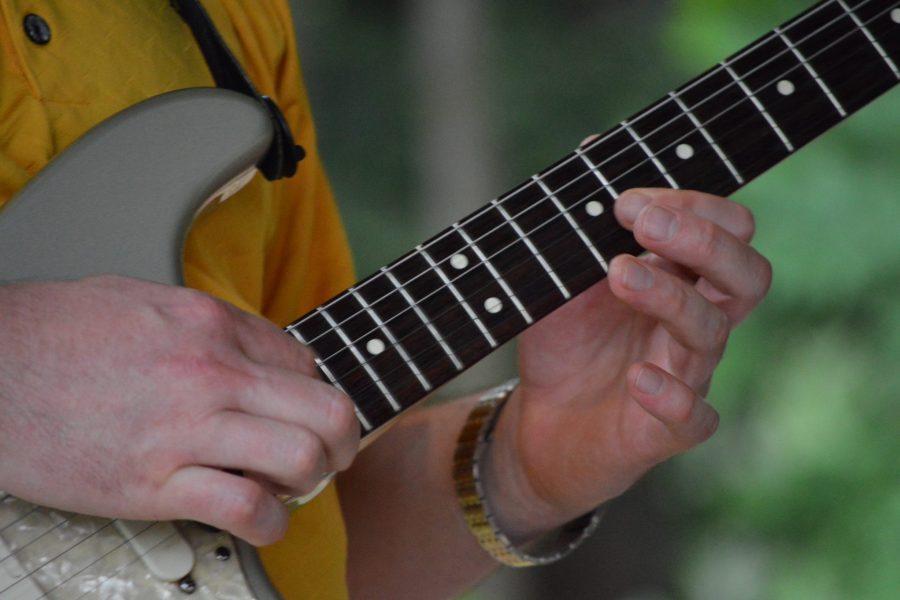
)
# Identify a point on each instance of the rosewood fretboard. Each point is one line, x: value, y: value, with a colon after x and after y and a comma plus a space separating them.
x: 418, y: 322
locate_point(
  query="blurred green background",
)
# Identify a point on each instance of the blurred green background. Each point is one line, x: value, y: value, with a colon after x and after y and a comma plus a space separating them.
x: 428, y: 108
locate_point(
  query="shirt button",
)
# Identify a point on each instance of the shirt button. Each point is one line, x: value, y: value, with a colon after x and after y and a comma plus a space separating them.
x: 37, y: 29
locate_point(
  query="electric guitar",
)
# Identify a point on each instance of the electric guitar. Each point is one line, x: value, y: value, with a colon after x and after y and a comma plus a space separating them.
x: 121, y: 199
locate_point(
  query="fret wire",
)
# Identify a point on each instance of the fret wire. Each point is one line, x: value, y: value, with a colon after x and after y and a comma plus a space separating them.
x: 611, y: 231
x: 95, y: 532
x: 362, y: 360
x: 434, y: 332
x: 614, y: 229
x: 596, y: 171
x: 448, y: 284
x: 494, y: 273
x: 709, y: 139
x: 320, y: 363
x: 650, y: 155
x: 862, y: 27
x: 759, y: 106
x: 689, y: 86
x: 675, y: 142
x: 585, y: 199
x: 530, y: 245
x: 390, y: 336
x: 496, y: 204
x: 812, y: 70
x: 571, y: 220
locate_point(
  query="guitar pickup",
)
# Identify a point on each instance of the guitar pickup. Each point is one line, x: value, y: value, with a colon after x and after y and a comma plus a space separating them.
x: 160, y: 546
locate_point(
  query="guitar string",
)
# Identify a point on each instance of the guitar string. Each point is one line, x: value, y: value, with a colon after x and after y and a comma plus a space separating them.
x: 605, y: 137
x: 55, y: 558
x: 138, y: 556
x: 123, y: 541
x: 119, y: 569
x: 34, y: 508
x: 561, y: 213
x: 660, y: 177
x: 394, y: 370
x: 614, y: 230
x: 18, y: 549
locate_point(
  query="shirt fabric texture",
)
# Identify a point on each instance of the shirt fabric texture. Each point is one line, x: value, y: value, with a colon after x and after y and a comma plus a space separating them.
x: 275, y: 249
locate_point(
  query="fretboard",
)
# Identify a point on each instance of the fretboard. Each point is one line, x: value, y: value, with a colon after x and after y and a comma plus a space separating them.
x: 415, y: 324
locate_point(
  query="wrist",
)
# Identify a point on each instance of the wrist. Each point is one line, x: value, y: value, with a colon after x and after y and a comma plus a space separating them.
x: 519, y: 510
x: 503, y: 534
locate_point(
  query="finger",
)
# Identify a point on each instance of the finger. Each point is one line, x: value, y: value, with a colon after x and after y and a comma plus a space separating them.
x: 301, y: 401
x: 226, y: 501
x: 588, y: 140
x: 687, y: 417
x: 695, y: 322
x: 728, y: 263
x: 731, y: 216
x: 267, y: 344
x: 292, y: 457
x: 256, y: 338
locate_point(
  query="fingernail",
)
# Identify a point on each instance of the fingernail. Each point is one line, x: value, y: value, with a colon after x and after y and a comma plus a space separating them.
x: 630, y: 205
x: 660, y: 224
x: 649, y: 381
x: 637, y: 277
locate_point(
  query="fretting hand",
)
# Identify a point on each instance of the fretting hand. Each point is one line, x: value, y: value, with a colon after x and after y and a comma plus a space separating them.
x: 614, y: 382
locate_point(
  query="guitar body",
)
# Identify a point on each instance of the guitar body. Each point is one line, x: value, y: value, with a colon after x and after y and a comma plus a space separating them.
x: 120, y: 200
x: 68, y: 556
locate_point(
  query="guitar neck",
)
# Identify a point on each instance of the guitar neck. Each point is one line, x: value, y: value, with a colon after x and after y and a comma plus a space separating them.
x: 415, y: 324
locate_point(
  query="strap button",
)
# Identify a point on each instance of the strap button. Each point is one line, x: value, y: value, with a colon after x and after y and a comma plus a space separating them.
x: 37, y: 29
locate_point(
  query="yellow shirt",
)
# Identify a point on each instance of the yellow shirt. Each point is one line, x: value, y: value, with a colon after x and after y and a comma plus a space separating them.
x: 274, y: 249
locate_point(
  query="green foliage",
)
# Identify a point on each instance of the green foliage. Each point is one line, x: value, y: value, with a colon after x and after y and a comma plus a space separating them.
x: 802, y: 483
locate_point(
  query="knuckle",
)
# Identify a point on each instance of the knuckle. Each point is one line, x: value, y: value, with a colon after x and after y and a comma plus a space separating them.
x: 681, y: 302
x: 340, y: 418
x: 305, y: 360
x: 745, y: 222
x: 707, y: 241
x: 720, y: 330
x: 203, y: 310
x: 764, y: 279
x: 241, y: 506
x: 306, y: 458
x: 683, y: 410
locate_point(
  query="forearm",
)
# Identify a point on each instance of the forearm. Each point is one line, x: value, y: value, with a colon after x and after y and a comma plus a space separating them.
x: 407, y: 536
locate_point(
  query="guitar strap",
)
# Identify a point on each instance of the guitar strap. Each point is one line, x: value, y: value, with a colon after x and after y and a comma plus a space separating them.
x: 283, y: 155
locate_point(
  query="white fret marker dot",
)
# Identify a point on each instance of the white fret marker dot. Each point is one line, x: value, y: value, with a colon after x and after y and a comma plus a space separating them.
x: 684, y: 151
x: 493, y: 305
x: 594, y: 208
x: 895, y: 15
x: 375, y: 346
x: 459, y: 261
x: 786, y: 88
